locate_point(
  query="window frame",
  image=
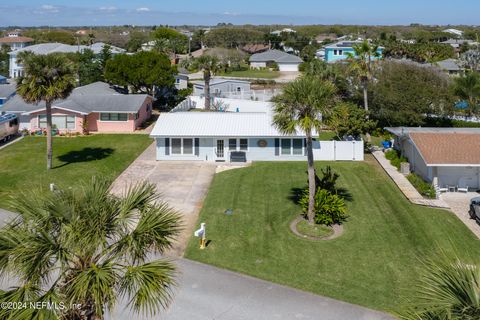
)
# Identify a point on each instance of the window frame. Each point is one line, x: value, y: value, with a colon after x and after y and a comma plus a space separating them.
x: 110, y: 116
x: 73, y: 121
x: 238, y: 144
x: 182, y: 147
x: 292, y: 154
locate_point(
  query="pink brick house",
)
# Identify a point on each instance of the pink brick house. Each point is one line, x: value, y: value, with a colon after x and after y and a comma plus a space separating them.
x: 96, y: 106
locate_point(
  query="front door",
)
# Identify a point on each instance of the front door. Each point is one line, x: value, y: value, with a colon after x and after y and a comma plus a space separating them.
x: 220, y: 150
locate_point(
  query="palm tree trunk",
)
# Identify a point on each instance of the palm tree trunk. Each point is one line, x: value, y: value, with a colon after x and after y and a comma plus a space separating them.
x: 365, y: 104
x: 49, y: 134
x: 311, y: 181
x: 206, y: 77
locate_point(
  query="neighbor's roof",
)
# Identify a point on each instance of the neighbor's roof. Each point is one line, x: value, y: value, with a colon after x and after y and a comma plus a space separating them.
x: 46, y: 48
x: 276, y: 56
x: 449, y: 65
x: 448, y: 148
x: 15, y: 40
x: 6, y: 90
x: 215, y: 124
x: 404, y: 131
x: 345, y: 45
x: 95, y: 97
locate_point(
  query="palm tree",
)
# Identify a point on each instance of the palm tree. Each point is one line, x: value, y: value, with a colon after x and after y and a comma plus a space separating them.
x: 210, y: 66
x: 89, y: 248
x: 468, y: 87
x: 361, y: 64
x: 46, y: 78
x: 448, y: 289
x: 301, y: 106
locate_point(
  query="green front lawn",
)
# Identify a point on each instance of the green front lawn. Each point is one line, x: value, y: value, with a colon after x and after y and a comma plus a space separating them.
x: 252, y: 73
x: 23, y: 164
x: 374, y: 263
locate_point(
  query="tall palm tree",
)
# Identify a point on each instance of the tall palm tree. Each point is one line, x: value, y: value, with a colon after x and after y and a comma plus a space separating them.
x: 210, y: 66
x: 89, y: 248
x: 361, y: 64
x: 448, y: 289
x: 468, y: 87
x: 301, y: 106
x: 46, y: 78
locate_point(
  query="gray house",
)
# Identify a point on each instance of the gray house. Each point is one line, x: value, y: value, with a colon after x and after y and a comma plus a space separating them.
x: 221, y: 87
x: 181, y: 81
x: 285, y: 61
x: 447, y: 157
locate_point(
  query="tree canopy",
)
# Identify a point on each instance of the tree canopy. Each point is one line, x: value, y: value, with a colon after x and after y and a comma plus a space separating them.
x: 170, y: 41
x: 141, y: 71
x: 405, y: 93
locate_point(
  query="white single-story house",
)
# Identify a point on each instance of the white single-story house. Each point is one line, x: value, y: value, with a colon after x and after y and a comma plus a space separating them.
x: 448, y: 157
x: 285, y: 61
x: 244, y: 134
x: 220, y: 87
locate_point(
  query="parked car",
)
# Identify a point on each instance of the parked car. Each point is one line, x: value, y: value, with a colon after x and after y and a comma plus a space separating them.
x: 475, y: 209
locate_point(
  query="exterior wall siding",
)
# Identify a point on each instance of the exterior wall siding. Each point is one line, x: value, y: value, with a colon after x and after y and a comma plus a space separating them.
x: 323, y: 150
x: 330, y: 57
x: 35, y: 125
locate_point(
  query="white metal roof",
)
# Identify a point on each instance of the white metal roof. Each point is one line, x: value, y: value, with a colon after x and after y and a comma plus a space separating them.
x: 215, y: 124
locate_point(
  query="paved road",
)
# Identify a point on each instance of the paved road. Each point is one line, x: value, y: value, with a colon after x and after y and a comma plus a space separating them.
x: 209, y: 293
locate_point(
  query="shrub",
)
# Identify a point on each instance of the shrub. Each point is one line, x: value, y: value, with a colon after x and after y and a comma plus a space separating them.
x: 329, y: 208
x: 423, y: 187
x: 395, y: 158
x: 328, y: 181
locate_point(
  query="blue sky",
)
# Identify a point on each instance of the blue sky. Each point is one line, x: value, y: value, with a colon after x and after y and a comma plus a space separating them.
x: 209, y: 12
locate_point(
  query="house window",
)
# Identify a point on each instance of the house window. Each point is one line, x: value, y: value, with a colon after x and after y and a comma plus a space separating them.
x: 59, y: 122
x: 176, y: 146
x: 182, y: 146
x: 337, y: 52
x: 136, y: 116
x: 286, y: 146
x: 238, y: 144
x: 292, y: 147
x: 177, y: 80
x: 149, y: 107
x: 243, y: 144
x: 239, y: 89
x: 113, y: 116
x: 232, y: 144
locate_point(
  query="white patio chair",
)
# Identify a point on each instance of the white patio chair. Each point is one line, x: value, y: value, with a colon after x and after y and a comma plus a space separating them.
x: 462, y: 189
x: 440, y: 190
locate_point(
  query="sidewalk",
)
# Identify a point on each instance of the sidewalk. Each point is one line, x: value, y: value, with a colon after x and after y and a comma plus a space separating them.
x: 405, y: 186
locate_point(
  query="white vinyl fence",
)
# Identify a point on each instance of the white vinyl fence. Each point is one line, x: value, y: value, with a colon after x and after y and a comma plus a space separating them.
x: 339, y: 151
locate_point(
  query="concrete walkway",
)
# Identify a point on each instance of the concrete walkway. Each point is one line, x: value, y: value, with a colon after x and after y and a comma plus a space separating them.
x: 182, y: 184
x: 405, y: 186
x: 209, y: 293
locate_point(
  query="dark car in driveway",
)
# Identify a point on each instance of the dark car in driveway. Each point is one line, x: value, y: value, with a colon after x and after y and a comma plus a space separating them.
x: 475, y: 209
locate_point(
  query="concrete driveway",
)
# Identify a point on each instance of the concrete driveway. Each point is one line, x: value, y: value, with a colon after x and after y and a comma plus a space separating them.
x: 459, y: 204
x: 183, y: 184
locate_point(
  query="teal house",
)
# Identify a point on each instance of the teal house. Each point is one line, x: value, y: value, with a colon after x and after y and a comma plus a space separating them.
x: 339, y: 51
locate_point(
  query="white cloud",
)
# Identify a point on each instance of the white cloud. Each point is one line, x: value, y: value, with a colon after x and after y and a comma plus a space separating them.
x: 228, y: 13
x: 49, y: 8
x: 108, y: 8
x: 143, y: 9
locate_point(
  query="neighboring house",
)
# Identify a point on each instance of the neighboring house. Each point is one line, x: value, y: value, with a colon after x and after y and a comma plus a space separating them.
x: 7, y: 91
x: 15, y: 69
x: 444, y: 156
x: 255, y: 48
x: 220, y: 87
x: 456, y: 32
x: 450, y: 66
x: 339, y: 51
x: 96, y: 106
x: 285, y: 30
x: 181, y: 81
x: 326, y: 37
x: 456, y: 43
x: 15, y: 41
x: 244, y: 134
x: 285, y: 61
